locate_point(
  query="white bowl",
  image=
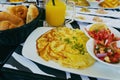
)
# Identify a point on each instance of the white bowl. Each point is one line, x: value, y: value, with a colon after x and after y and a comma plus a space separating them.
x: 90, y: 49
x: 90, y: 45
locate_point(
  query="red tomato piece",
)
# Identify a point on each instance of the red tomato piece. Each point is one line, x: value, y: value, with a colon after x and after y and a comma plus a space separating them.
x: 114, y: 59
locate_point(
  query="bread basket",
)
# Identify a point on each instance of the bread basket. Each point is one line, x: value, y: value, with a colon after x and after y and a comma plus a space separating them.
x: 18, y: 35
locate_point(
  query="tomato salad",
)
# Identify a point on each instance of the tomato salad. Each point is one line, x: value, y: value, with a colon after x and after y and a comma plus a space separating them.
x: 104, y: 48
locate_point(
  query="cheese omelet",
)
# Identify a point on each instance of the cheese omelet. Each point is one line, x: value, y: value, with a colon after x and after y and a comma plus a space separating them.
x: 65, y: 46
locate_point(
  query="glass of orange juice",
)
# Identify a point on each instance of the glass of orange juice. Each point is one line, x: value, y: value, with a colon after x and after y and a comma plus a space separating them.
x: 55, y: 13
x: 16, y: 0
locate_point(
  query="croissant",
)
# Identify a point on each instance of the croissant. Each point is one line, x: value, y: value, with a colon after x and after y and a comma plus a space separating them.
x: 4, y: 16
x: 19, y: 10
x: 4, y: 25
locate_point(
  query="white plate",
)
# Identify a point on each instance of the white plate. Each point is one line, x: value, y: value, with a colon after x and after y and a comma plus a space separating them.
x: 93, y: 12
x: 97, y: 70
x: 89, y: 19
x: 90, y: 49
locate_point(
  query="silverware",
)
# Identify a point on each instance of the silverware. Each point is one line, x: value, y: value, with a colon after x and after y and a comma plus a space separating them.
x: 75, y: 25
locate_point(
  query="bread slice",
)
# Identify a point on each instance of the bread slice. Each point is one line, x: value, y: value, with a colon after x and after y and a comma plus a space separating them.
x: 32, y: 13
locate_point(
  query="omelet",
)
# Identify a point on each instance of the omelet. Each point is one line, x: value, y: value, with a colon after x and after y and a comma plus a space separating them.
x: 65, y: 46
x: 81, y: 3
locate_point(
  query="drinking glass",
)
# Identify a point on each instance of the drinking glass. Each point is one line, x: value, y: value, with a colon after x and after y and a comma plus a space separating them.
x: 16, y: 0
x: 56, y: 12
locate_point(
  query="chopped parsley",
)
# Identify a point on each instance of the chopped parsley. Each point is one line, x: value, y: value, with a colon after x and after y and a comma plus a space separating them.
x: 79, y: 47
x: 67, y: 40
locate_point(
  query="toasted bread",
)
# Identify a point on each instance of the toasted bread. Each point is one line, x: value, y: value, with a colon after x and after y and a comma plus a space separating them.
x: 32, y: 13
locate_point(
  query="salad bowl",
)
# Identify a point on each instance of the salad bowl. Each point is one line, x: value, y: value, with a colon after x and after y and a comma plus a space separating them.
x: 104, y: 46
x: 90, y: 49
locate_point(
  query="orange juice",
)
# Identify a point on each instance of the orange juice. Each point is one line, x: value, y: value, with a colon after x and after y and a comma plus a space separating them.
x: 16, y: 0
x: 55, y: 14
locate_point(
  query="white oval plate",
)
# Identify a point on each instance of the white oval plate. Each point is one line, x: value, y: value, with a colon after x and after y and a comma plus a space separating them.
x: 97, y: 70
x: 109, y: 13
x: 89, y: 18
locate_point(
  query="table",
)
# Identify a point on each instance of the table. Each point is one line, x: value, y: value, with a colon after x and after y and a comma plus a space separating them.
x: 17, y: 67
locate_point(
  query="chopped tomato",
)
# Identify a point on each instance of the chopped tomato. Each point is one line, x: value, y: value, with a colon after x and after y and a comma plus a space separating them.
x: 110, y: 39
x: 109, y: 53
x: 117, y: 55
x: 102, y: 58
x: 103, y: 39
x: 114, y: 59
